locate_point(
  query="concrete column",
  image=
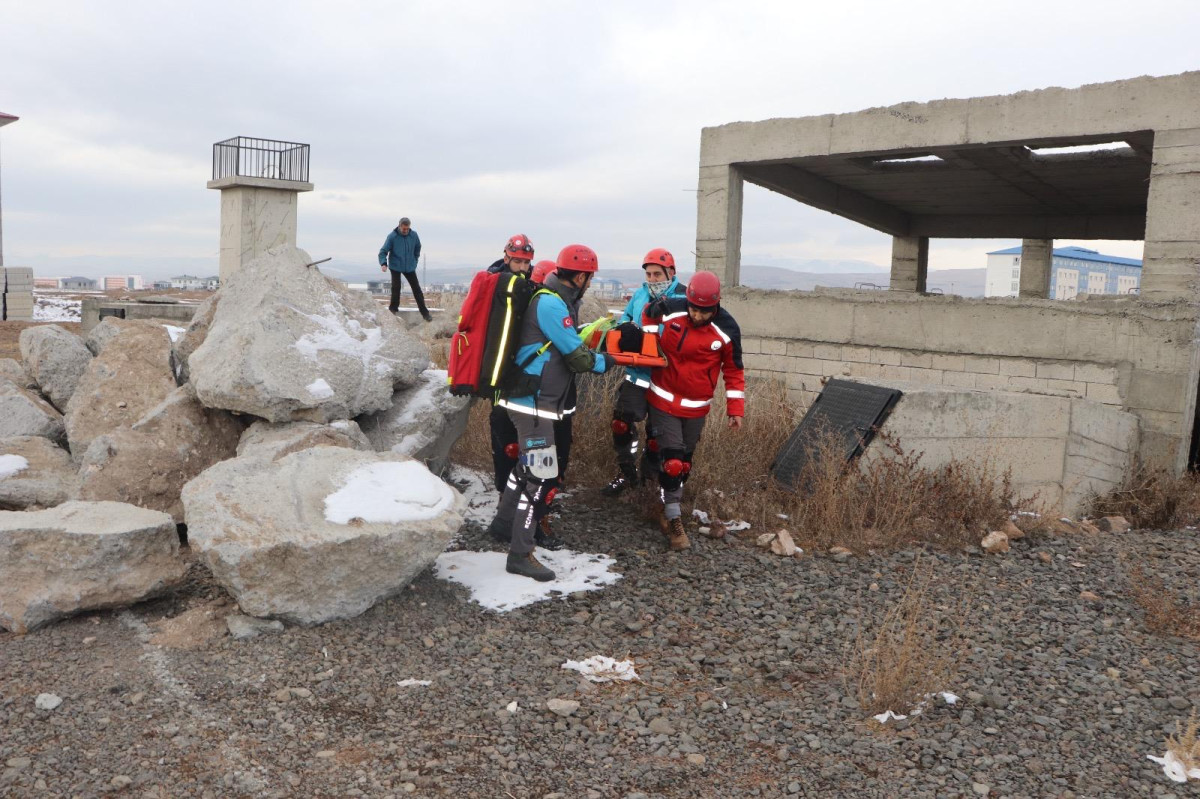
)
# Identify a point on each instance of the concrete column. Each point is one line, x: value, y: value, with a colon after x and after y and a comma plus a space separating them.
x: 1171, y: 259
x: 256, y: 215
x: 910, y: 263
x: 719, y: 222
x: 1036, y: 257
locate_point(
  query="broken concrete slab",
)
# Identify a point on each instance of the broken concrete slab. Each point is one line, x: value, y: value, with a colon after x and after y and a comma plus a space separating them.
x: 56, y: 358
x: 273, y: 441
x: 26, y: 413
x: 424, y: 421
x: 35, y: 473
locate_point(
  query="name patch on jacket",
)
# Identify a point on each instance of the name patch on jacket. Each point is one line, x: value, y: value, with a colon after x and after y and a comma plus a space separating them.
x: 676, y: 326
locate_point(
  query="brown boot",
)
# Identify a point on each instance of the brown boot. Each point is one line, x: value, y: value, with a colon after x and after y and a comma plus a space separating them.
x: 663, y: 524
x: 679, y: 539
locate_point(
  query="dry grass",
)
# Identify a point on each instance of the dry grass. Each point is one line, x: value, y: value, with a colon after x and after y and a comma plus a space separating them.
x: 1154, y: 500
x: 1185, y: 744
x: 885, y: 503
x: 1164, y: 613
x: 910, y: 652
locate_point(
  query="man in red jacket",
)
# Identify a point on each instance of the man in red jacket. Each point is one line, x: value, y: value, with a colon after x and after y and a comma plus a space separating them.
x: 701, y: 341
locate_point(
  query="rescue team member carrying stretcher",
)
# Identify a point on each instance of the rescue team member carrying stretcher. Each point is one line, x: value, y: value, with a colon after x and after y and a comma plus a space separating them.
x: 700, y: 340
x: 630, y: 408
x: 549, y: 355
x: 518, y: 255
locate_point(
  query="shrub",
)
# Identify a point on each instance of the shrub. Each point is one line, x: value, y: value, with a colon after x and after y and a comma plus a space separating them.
x: 1153, y: 499
x: 1164, y: 613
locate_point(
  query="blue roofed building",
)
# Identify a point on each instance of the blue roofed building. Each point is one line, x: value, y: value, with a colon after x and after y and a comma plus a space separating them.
x: 1073, y: 271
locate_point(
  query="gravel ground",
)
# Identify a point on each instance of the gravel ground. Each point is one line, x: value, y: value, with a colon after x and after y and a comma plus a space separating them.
x: 741, y: 654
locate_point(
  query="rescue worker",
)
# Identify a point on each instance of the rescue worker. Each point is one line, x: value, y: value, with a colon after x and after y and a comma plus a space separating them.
x: 549, y: 355
x: 541, y: 270
x: 701, y: 340
x: 517, y: 257
x: 630, y: 408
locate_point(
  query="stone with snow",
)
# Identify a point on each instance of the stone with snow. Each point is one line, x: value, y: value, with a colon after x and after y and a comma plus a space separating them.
x: 128, y: 379
x: 82, y: 556
x: 149, y: 463
x: 25, y: 413
x: 274, y: 440
x: 34, y: 473
x: 424, y: 421
x: 56, y: 358
x: 995, y: 542
x: 321, y: 534
x: 15, y: 371
x: 286, y: 343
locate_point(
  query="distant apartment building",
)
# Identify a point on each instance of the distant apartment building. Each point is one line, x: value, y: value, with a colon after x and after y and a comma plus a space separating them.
x: 193, y: 283
x: 1073, y: 271
x: 47, y: 282
x: 78, y: 284
x: 122, y: 282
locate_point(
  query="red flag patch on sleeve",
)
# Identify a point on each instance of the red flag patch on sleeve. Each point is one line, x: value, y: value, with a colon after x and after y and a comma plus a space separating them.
x: 568, y: 322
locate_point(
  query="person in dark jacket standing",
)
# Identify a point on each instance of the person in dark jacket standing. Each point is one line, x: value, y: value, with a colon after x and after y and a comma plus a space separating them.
x: 400, y: 254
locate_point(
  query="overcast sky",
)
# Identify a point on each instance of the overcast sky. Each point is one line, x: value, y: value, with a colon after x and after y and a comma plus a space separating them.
x: 566, y: 121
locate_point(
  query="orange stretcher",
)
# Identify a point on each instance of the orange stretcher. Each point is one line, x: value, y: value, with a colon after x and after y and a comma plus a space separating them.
x: 650, y: 357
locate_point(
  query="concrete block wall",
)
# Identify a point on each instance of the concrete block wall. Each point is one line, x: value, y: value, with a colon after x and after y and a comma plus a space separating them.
x: 18, y: 294
x: 1127, y: 354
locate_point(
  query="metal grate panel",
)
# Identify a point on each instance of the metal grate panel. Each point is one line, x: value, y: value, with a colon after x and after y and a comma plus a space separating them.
x: 850, y: 412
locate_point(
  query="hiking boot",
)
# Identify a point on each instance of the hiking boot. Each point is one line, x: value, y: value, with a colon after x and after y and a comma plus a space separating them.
x: 427, y: 316
x: 661, y: 518
x: 679, y: 540
x: 500, y: 530
x: 527, y: 566
x: 626, y: 479
x: 545, y: 537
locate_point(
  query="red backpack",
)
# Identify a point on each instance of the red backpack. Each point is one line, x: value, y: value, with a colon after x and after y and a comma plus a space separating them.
x: 483, y: 347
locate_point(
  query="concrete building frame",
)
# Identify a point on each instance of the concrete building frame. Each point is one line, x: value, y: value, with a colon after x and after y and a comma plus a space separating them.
x: 985, y: 167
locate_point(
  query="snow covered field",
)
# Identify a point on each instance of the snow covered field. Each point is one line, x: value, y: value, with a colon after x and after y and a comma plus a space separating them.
x: 54, y: 308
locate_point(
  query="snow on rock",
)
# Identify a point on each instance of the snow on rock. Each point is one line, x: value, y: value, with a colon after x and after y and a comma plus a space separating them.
x: 1175, y: 769
x: 389, y: 493
x: 260, y: 526
x: 601, y: 668
x: 278, y: 326
x: 482, y: 499
x: 175, y: 332
x: 35, y: 473
x: 495, y: 589
x: 11, y: 465
x: 424, y: 421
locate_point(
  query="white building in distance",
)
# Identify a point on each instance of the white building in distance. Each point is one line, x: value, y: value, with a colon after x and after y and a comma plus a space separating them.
x: 1073, y: 271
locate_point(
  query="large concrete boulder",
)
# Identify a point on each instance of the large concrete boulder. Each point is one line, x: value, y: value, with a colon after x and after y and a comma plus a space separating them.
x: 25, y: 413
x: 287, y: 343
x: 320, y: 534
x: 34, y: 473
x: 82, y: 556
x: 15, y: 371
x: 273, y: 441
x: 423, y: 422
x: 105, y: 331
x: 130, y: 376
x: 56, y: 359
x: 194, y: 336
x: 149, y: 463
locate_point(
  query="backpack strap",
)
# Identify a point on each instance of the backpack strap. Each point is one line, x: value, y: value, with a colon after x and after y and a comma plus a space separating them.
x: 542, y: 349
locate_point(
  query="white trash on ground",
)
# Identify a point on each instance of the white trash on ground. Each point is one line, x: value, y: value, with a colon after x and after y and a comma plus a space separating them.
x: 410, y: 681
x: 601, y: 668
x: 491, y: 586
x: 1174, y: 768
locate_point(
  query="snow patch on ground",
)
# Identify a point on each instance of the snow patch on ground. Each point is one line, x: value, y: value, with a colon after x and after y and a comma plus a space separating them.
x: 389, y: 493
x: 482, y: 499
x: 56, y: 309
x: 601, y: 668
x: 491, y: 586
x: 174, y: 331
x: 410, y: 681
x: 1175, y: 769
x: 12, y: 464
x: 319, y: 389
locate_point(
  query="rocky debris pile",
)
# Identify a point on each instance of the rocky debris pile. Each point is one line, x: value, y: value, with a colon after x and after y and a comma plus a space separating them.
x: 320, y: 534
x: 82, y: 556
x: 286, y: 343
x: 271, y: 374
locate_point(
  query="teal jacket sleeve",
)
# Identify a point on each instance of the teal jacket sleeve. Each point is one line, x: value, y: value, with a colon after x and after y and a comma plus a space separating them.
x: 417, y: 249
x: 558, y: 327
x: 386, y: 248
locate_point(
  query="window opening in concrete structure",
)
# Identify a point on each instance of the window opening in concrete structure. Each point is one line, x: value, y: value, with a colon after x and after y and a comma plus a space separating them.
x: 912, y: 159
x: 1110, y: 147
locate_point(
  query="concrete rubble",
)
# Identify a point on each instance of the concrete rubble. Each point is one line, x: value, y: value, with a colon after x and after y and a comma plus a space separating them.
x: 82, y: 556
x: 274, y: 441
x: 35, y: 473
x: 56, y: 359
x: 320, y: 534
x: 287, y: 343
x: 26, y: 413
x: 424, y: 421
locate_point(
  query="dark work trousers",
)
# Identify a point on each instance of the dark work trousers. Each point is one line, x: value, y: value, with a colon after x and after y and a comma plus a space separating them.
x: 678, y: 437
x: 413, y: 283
x: 504, y: 433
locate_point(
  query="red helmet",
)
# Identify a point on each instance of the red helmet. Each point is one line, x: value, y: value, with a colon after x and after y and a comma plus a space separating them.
x: 578, y: 258
x: 541, y: 270
x: 519, y: 246
x: 704, y: 290
x: 659, y: 257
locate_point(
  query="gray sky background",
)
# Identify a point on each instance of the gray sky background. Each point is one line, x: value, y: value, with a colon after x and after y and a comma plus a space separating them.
x: 566, y: 121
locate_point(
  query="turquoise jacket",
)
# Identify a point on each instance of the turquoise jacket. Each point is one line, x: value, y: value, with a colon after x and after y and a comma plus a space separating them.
x: 640, y: 375
x: 401, y: 253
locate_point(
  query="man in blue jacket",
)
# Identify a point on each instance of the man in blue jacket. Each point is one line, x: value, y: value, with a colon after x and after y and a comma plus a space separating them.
x: 659, y: 268
x: 549, y: 355
x: 400, y: 253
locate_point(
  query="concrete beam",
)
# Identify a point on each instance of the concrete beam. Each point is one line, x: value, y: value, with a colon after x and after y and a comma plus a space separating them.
x: 1131, y: 227
x: 1171, y: 268
x: 1015, y: 166
x: 1036, y: 258
x: 910, y: 263
x: 719, y: 223
x: 792, y: 181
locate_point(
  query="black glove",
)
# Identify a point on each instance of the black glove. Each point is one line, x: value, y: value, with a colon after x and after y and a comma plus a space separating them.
x: 657, y: 309
x: 631, y: 337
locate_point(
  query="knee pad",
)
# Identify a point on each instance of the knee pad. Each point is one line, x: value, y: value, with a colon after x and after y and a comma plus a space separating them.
x: 673, y: 469
x: 512, y: 450
x: 541, y: 462
x: 620, y: 427
x: 687, y: 465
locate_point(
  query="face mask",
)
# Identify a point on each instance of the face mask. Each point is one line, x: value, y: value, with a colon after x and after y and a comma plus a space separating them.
x: 656, y: 289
